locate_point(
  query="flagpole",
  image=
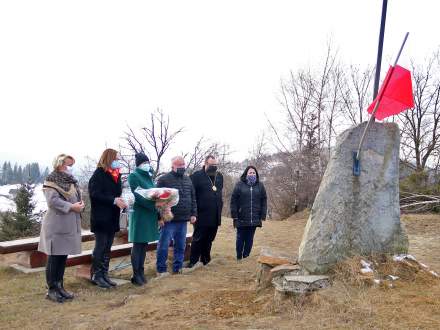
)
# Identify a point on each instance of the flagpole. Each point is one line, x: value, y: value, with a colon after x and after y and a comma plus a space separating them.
x: 380, y: 47
x: 376, y: 106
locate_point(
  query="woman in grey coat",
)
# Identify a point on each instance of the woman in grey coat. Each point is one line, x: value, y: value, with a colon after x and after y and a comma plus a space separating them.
x: 61, y: 226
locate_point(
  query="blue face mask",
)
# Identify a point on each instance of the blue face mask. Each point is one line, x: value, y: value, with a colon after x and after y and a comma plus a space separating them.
x: 251, y: 179
x: 145, y: 167
x: 115, y: 164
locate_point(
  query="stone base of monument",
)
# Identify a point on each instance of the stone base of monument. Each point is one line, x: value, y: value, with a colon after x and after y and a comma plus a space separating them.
x: 300, y: 284
x: 269, y: 260
x: 283, y: 273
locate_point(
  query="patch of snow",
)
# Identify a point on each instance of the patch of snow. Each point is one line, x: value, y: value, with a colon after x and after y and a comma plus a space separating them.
x: 393, y: 278
x: 366, y: 270
x: 7, y: 200
x: 434, y: 273
x: 6, y: 204
x: 401, y: 257
x: 366, y: 267
x: 365, y: 264
x: 4, y: 190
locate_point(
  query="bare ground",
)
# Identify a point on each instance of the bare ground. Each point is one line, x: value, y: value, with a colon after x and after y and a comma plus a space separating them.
x: 222, y: 295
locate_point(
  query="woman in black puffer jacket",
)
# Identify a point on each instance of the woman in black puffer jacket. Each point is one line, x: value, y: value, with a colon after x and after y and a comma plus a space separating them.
x: 248, y: 209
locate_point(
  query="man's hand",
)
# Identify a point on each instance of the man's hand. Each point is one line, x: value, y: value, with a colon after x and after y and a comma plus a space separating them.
x: 77, y: 207
x: 120, y: 203
x: 193, y: 220
x: 161, y: 223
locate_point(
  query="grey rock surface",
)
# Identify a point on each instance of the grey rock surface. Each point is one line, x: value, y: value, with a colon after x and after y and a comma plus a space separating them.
x: 356, y: 215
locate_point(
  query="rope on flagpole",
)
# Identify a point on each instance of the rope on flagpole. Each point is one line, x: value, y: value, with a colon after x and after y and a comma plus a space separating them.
x: 376, y: 106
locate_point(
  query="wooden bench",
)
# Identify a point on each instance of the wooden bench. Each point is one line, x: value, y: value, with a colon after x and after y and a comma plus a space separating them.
x: 85, y: 258
x: 27, y: 254
x: 29, y: 257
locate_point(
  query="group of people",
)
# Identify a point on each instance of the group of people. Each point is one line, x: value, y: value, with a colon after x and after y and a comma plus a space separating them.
x: 200, y: 203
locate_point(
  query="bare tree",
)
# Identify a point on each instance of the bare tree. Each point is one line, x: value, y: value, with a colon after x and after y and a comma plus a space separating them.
x: 355, y: 92
x: 86, y: 171
x: 154, y: 139
x: 420, y: 127
x: 258, y: 155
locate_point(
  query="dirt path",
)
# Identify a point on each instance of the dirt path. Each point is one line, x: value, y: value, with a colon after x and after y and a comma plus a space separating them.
x: 222, y: 295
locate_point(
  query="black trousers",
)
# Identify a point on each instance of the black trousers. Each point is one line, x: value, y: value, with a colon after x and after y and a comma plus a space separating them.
x: 202, y: 243
x: 101, y: 252
x: 244, y: 242
x: 138, y: 254
x: 55, y: 267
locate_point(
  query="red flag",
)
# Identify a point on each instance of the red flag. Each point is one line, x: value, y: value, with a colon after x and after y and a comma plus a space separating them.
x: 395, y: 94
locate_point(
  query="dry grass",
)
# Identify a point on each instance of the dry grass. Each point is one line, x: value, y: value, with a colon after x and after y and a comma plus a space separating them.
x: 222, y: 295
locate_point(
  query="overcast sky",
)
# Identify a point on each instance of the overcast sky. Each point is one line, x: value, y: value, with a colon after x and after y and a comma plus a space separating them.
x: 73, y: 74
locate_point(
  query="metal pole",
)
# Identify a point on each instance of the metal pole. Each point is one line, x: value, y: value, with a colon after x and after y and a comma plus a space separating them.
x: 376, y: 106
x: 380, y: 48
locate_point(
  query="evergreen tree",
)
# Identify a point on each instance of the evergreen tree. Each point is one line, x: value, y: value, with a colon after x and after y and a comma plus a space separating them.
x: 22, y: 222
x: 3, y: 177
x: 20, y: 174
x: 15, y: 174
x: 9, y: 174
x: 44, y: 175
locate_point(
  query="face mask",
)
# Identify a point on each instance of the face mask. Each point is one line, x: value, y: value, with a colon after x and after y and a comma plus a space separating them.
x: 145, y: 167
x: 115, y: 164
x: 69, y: 170
x: 180, y: 171
x: 251, y: 179
x: 212, y: 169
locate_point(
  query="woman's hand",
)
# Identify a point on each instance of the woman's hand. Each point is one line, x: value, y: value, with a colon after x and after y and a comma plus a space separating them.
x: 77, y: 207
x: 120, y: 203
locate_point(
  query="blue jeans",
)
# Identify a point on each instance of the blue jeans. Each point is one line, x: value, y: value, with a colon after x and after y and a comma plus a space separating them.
x: 175, y: 231
x: 245, y: 240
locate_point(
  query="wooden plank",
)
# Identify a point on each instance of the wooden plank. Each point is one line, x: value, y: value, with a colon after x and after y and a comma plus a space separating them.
x: 117, y: 251
x: 31, y: 244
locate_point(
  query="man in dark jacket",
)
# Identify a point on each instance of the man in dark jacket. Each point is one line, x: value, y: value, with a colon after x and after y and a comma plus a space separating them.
x: 208, y: 184
x: 184, y: 211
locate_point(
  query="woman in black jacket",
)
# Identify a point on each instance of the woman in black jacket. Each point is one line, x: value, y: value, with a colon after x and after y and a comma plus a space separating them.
x: 248, y: 209
x: 105, y: 188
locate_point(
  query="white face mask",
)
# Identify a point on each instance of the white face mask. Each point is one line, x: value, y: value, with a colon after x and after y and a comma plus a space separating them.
x: 145, y: 167
x: 69, y: 170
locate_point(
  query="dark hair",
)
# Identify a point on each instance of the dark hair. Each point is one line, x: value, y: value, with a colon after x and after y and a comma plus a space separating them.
x: 210, y: 156
x: 244, y: 175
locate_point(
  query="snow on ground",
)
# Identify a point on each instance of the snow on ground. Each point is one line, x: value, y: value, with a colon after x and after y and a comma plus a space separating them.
x: 7, y: 199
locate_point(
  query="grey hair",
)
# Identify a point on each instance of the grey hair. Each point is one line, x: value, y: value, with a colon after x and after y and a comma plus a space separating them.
x: 175, y: 158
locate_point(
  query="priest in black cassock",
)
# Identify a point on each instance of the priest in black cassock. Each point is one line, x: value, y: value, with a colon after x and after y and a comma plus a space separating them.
x: 208, y: 185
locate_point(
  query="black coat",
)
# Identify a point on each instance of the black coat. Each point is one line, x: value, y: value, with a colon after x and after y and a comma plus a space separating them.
x: 103, y: 190
x: 209, y: 202
x: 187, y: 206
x: 248, y: 204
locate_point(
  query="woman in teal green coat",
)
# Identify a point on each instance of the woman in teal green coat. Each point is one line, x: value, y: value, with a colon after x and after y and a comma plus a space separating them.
x: 143, y: 226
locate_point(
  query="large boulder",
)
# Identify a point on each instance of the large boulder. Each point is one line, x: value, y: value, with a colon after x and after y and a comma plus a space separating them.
x: 356, y: 215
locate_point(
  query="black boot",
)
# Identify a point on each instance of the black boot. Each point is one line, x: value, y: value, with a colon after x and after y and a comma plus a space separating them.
x: 142, y: 262
x: 63, y: 292
x: 52, y: 293
x: 136, y: 278
x: 97, y: 274
x: 59, y: 280
x: 106, y: 265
